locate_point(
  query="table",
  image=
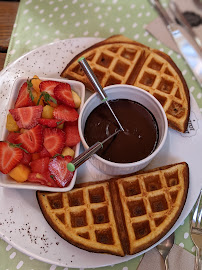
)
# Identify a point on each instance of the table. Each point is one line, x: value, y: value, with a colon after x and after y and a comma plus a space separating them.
x: 41, y: 22
x: 8, y: 11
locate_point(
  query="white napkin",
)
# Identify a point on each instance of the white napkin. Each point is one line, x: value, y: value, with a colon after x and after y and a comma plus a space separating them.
x: 179, y: 259
x: 158, y: 28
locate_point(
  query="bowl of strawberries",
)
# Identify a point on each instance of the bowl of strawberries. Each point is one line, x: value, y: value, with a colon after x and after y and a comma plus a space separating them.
x: 41, y: 134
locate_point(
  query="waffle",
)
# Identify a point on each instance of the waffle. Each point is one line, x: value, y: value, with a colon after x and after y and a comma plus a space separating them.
x: 119, y: 216
x: 119, y: 60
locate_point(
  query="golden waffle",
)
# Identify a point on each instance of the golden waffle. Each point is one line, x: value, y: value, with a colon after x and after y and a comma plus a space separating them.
x: 119, y: 60
x: 119, y: 216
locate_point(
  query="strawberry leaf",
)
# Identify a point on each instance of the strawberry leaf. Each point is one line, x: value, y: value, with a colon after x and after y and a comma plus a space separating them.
x: 18, y: 145
x: 29, y: 89
x: 47, y: 97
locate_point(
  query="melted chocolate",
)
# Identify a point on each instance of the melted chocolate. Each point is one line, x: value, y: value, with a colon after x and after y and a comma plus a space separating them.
x: 137, y: 141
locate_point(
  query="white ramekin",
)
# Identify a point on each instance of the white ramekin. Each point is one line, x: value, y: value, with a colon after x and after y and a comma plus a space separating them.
x: 131, y: 93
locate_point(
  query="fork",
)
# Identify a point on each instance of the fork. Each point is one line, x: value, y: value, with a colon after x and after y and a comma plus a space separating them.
x: 196, y: 231
x: 165, y: 247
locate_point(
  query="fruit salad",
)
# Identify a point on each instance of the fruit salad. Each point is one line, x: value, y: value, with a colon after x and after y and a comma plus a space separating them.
x: 42, y: 133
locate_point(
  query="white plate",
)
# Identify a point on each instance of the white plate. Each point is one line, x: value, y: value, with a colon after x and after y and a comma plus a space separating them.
x: 5, y: 179
x: 21, y: 221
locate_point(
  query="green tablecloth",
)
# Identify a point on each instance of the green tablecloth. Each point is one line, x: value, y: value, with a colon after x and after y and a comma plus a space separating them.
x: 39, y: 22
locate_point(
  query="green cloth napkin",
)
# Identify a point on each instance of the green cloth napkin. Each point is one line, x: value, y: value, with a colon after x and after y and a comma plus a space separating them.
x: 40, y: 22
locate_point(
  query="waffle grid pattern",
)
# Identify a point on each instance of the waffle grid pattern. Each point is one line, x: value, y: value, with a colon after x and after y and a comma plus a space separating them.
x: 87, y: 215
x: 147, y: 202
x: 113, y: 64
x: 119, y: 216
x: 159, y: 79
x: 135, y: 64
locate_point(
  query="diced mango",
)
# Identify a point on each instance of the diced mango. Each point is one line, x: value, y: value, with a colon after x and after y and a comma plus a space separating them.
x: 47, y: 112
x: 36, y: 96
x: 67, y: 151
x: 20, y: 173
x: 11, y: 124
x: 35, y: 82
x: 77, y: 99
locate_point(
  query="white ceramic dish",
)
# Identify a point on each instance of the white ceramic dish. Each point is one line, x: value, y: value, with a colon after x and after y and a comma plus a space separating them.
x: 22, y: 223
x: 131, y: 93
x: 5, y: 179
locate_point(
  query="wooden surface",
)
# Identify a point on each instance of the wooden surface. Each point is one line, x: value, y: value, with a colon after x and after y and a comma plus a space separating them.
x: 8, y: 11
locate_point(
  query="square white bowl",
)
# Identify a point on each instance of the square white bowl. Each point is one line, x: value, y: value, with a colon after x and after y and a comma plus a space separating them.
x: 5, y: 180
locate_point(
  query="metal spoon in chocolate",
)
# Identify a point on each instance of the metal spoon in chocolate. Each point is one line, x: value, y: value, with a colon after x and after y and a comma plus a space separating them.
x: 72, y: 166
x: 96, y: 85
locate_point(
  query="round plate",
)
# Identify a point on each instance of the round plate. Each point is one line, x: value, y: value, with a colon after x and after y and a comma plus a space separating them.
x: 21, y: 221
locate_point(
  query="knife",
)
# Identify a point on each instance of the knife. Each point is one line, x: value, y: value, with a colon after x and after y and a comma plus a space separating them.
x: 190, y: 53
x: 183, y: 21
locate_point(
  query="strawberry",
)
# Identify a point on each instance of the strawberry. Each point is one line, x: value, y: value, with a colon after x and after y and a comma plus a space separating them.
x: 48, y: 87
x: 58, y: 168
x: 32, y: 139
x: 40, y: 165
x: 42, y: 178
x: 10, y: 156
x: 50, y: 122
x: 44, y: 153
x: 12, y: 136
x: 27, y: 117
x: 24, y: 98
x: 63, y: 93
x: 54, y: 140
x: 26, y: 158
x: 65, y: 113
x: 72, y: 135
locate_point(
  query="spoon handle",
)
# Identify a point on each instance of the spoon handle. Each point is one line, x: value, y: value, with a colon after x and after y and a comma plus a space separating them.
x: 198, y: 265
x: 78, y: 161
x: 166, y: 263
x: 92, y: 78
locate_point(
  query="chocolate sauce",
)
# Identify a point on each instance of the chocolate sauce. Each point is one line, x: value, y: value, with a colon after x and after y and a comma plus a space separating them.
x: 137, y: 141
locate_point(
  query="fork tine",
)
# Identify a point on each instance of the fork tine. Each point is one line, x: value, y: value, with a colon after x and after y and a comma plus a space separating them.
x: 199, y: 219
x: 194, y: 218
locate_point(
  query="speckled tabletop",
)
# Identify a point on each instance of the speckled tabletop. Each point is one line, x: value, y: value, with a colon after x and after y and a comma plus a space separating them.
x: 45, y: 21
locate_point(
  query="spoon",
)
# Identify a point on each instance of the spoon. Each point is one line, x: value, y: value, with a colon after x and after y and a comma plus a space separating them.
x: 78, y: 161
x: 165, y: 247
x: 97, y: 86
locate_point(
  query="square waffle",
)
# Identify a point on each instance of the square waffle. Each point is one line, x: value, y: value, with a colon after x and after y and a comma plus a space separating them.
x: 119, y: 216
x: 119, y: 60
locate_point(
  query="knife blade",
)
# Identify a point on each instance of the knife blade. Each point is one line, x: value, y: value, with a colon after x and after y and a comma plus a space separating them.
x: 190, y: 53
x: 179, y: 16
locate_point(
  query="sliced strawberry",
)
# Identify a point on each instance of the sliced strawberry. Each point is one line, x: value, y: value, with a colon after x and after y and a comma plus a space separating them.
x: 58, y: 168
x: 32, y: 140
x: 63, y: 93
x: 65, y: 113
x: 40, y: 165
x: 26, y: 158
x: 50, y: 122
x: 12, y: 136
x: 27, y: 117
x: 10, y: 156
x: 43, y: 179
x: 72, y: 135
x: 54, y: 140
x: 23, y: 99
x: 44, y: 153
x: 48, y: 86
